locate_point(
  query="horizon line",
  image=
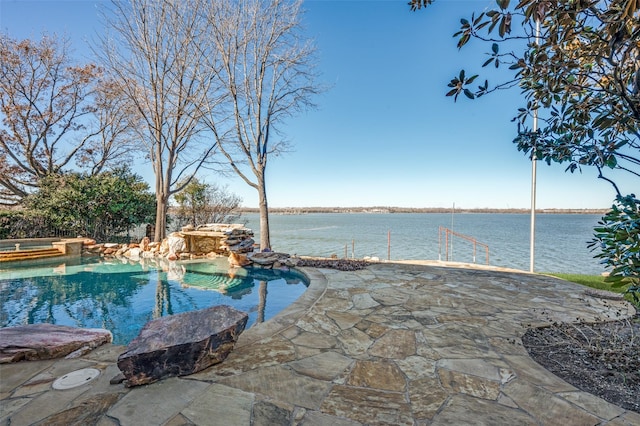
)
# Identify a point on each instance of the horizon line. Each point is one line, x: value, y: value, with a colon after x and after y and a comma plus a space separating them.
x: 395, y: 209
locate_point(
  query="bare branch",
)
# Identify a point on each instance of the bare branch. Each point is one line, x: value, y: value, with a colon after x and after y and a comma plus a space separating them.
x: 159, y: 60
x: 267, y: 74
x: 49, y: 113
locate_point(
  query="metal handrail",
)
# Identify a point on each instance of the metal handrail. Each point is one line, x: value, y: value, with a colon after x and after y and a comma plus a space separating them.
x: 448, y: 232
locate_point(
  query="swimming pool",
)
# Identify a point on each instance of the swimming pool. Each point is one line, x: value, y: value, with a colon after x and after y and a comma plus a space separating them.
x: 27, y: 243
x: 122, y: 296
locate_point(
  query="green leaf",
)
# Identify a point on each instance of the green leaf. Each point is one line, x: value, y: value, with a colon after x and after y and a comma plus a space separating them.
x: 468, y: 94
x: 493, y: 25
x: 463, y: 40
x: 503, y: 27
x: 503, y: 4
x: 495, y: 48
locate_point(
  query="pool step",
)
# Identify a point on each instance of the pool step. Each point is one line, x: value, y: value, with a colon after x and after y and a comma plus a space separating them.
x: 29, y: 254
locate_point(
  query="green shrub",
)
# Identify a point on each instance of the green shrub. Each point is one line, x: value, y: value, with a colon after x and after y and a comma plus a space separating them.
x: 618, y: 238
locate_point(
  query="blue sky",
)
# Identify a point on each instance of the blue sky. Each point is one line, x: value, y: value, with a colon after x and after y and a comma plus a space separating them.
x: 383, y: 134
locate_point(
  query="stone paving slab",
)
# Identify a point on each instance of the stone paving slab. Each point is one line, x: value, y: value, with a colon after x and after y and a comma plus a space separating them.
x: 393, y: 344
x: 35, y: 342
x: 156, y: 403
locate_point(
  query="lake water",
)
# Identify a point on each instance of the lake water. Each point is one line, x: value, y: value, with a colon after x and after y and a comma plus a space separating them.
x: 561, y: 239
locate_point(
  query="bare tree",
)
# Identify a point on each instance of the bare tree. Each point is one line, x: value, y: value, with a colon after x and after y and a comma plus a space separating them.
x: 200, y: 203
x: 267, y: 73
x: 223, y: 205
x: 117, y: 137
x: 50, y: 116
x: 160, y: 61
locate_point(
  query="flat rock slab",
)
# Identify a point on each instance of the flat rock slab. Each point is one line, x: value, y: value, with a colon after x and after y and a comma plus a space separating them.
x: 181, y: 344
x: 47, y: 341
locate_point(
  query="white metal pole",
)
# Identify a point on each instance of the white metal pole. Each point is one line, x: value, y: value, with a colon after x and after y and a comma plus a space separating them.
x: 533, y: 212
x: 453, y: 210
x: 532, y: 248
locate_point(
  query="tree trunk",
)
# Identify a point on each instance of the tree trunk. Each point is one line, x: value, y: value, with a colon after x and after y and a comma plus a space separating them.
x: 161, y: 209
x: 161, y: 218
x: 265, y: 238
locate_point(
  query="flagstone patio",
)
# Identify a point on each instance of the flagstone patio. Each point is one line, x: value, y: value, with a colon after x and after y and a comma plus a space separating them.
x: 392, y: 344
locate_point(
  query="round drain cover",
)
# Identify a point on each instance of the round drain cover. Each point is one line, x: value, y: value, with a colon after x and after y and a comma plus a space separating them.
x: 76, y: 378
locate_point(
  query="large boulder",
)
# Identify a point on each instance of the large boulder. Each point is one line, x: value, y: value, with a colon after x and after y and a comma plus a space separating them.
x: 133, y: 253
x: 181, y: 344
x: 47, y: 341
x: 268, y: 259
x: 237, y: 260
x: 144, y: 243
x: 176, y: 245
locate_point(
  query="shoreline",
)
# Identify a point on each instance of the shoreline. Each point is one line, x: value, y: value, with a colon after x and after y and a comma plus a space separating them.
x: 391, y: 210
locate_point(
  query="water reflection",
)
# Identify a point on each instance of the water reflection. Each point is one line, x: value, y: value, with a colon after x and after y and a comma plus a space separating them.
x: 81, y: 295
x: 122, y: 297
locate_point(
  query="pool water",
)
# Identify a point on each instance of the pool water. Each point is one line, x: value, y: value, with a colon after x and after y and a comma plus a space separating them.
x: 123, y: 296
x: 24, y: 247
